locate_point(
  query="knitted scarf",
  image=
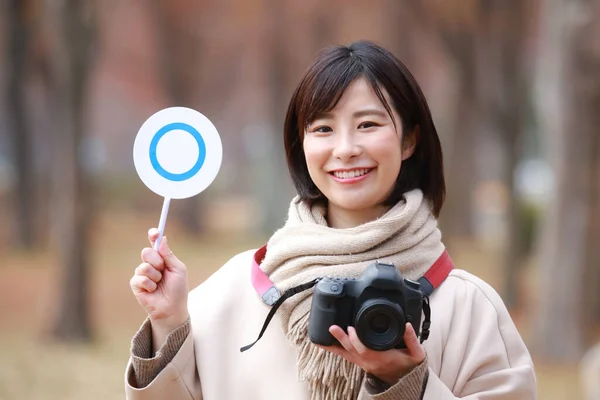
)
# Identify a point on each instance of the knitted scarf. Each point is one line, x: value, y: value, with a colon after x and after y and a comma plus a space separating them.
x: 306, y: 248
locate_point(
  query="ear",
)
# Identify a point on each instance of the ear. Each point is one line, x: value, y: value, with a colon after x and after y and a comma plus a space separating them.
x: 409, y: 143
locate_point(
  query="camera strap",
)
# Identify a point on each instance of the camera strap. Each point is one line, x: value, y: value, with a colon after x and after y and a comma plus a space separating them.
x: 286, y: 295
x: 426, y: 321
x: 434, y: 276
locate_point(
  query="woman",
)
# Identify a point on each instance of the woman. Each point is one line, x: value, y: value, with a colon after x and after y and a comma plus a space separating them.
x: 366, y: 161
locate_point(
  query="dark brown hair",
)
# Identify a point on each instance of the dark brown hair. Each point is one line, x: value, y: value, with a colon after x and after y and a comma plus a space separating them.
x: 321, y: 87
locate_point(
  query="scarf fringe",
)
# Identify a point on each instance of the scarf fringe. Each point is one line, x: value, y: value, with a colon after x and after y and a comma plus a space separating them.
x: 329, y: 376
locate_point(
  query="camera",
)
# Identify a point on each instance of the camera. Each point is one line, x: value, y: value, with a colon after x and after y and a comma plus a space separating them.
x: 377, y: 304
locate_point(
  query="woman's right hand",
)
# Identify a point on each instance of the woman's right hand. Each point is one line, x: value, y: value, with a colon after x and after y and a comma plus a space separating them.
x: 160, y: 285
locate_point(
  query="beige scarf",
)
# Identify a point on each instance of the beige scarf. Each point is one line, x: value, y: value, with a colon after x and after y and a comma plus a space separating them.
x: 306, y: 248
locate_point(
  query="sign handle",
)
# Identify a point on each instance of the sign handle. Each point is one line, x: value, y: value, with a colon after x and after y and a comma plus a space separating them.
x: 162, y: 222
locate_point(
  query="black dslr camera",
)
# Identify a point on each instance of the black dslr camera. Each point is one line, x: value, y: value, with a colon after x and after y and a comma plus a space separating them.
x: 377, y: 304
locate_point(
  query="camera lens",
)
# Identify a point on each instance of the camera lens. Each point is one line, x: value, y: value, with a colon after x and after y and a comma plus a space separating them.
x: 380, y: 324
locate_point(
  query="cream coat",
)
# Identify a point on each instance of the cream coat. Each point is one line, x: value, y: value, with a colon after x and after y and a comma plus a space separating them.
x: 474, y: 350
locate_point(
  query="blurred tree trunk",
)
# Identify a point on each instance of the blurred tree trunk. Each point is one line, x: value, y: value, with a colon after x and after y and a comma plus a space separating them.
x: 505, y: 101
x: 406, y: 29
x: 18, y: 39
x: 180, y: 68
x: 273, y: 200
x: 569, y: 250
x: 454, y: 28
x: 591, y: 272
x: 584, y: 57
x: 456, y: 219
x: 71, y: 23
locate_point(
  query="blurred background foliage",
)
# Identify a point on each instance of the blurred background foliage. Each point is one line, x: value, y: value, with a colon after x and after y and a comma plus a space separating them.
x: 514, y: 88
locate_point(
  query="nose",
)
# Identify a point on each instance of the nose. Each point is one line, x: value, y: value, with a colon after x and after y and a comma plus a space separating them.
x: 346, y: 147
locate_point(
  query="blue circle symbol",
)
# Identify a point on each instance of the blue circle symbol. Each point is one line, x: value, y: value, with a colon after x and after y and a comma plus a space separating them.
x: 201, y: 153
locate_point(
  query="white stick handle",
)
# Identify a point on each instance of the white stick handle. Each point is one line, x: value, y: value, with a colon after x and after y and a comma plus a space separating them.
x: 162, y: 222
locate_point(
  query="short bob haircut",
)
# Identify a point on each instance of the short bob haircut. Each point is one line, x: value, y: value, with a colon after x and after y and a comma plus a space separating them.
x: 322, y: 86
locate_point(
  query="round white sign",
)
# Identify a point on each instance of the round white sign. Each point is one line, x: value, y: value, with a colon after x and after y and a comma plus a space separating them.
x: 177, y: 152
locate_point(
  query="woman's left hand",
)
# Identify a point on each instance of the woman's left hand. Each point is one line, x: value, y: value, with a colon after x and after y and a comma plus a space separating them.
x: 389, y: 365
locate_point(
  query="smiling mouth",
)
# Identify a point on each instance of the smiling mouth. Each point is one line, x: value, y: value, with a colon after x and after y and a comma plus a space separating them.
x: 351, y: 174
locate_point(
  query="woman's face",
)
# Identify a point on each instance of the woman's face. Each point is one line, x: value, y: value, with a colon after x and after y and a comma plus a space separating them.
x: 354, y: 153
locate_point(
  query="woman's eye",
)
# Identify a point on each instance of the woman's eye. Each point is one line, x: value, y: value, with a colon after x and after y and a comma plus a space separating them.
x: 322, y: 129
x: 365, y: 125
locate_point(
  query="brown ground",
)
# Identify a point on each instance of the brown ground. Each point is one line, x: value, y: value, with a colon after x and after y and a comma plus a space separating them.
x: 34, y: 367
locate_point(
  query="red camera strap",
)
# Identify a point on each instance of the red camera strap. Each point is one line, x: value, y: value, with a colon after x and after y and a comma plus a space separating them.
x: 434, y: 276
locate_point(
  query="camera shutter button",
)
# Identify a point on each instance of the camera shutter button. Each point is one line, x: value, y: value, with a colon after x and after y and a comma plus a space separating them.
x: 334, y: 288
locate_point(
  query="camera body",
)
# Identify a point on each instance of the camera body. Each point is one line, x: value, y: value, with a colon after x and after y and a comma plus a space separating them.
x: 377, y: 304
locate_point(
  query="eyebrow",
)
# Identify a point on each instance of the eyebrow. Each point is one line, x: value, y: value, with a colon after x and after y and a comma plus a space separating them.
x: 357, y: 114
x: 370, y: 111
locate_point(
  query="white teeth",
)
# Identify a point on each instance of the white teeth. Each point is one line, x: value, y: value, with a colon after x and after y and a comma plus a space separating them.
x: 350, y: 174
